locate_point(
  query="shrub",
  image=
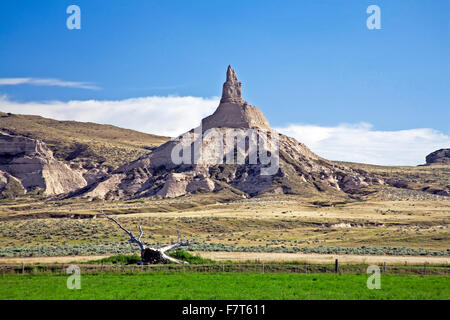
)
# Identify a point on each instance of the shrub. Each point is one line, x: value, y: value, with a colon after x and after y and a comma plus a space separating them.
x: 122, y: 259
x: 186, y: 256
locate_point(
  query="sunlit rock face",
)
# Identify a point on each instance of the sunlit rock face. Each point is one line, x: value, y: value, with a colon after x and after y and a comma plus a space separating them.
x: 29, y: 162
x: 233, y: 112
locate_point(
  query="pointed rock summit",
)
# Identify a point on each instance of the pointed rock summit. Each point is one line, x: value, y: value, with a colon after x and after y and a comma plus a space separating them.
x: 233, y: 112
x: 231, y: 92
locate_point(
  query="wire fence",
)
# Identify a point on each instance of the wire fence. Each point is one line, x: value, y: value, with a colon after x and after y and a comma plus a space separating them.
x: 224, y: 268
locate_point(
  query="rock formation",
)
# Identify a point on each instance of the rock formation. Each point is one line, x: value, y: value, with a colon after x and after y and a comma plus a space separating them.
x: 231, y: 92
x: 28, y: 165
x: 233, y: 112
x: 441, y: 156
x: 10, y: 187
x: 299, y: 170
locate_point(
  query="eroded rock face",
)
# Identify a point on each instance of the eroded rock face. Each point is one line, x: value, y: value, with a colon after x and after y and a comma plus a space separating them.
x: 107, y: 188
x: 352, y: 183
x: 16, y: 146
x: 441, y: 156
x: 178, y: 184
x: 10, y: 187
x: 32, y: 164
x: 3, y: 179
x: 231, y: 92
x: 233, y: 112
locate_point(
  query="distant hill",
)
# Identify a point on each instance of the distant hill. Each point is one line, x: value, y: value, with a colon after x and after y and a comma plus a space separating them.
x: 429, y: 179
x: 441, y: 156
x: 84, y: 144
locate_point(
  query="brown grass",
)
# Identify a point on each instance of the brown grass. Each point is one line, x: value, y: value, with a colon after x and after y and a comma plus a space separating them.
x: 262, y: 257
x: 322, y: 258
x: 286, y: 221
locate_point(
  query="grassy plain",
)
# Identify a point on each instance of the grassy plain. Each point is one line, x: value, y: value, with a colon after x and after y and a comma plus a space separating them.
x: 246, y: 286
x: 287, y: 222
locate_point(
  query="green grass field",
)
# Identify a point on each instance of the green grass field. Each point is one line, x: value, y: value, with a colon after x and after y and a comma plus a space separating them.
x: 226, y: 286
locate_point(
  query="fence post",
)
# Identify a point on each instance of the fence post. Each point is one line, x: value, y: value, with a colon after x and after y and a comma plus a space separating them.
x: 183, y: 266
x: 23, y: 268
x: 263, y: 268
x: 384, y: 267
x: 336, y: 266
x: 62, y: 268
x: 223, y: 267
x: 102, y: 267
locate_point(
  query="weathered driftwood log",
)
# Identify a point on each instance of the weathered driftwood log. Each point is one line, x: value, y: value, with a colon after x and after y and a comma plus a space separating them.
x: 151, y: 255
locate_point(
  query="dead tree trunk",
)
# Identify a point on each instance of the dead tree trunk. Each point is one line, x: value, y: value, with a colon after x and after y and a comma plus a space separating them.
x: 151, y: 255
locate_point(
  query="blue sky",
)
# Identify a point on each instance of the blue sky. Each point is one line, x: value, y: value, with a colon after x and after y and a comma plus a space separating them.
x: 301, y: 62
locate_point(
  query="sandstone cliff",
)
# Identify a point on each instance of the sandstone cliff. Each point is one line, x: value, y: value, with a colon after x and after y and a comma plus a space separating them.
x: 27, y: 165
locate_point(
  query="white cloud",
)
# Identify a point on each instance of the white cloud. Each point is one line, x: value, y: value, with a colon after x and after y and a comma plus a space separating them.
x: 47, y: 82
x: 361, y: 143
x: 169, y: 116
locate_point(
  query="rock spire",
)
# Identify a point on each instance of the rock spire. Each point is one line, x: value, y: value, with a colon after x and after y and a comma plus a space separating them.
x: 231, y: 91
x: 233, y: 112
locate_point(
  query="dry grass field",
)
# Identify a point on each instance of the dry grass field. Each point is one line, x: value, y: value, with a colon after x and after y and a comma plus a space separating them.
x: 261, y: 257
x: 282, y: 222
x: 320, y: 258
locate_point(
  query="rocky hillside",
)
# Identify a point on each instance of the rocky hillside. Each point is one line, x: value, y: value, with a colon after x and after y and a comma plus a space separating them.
x: 299, y: 170
x: 423, y: 180
x: 441, y: 156
x: 87, y: 146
